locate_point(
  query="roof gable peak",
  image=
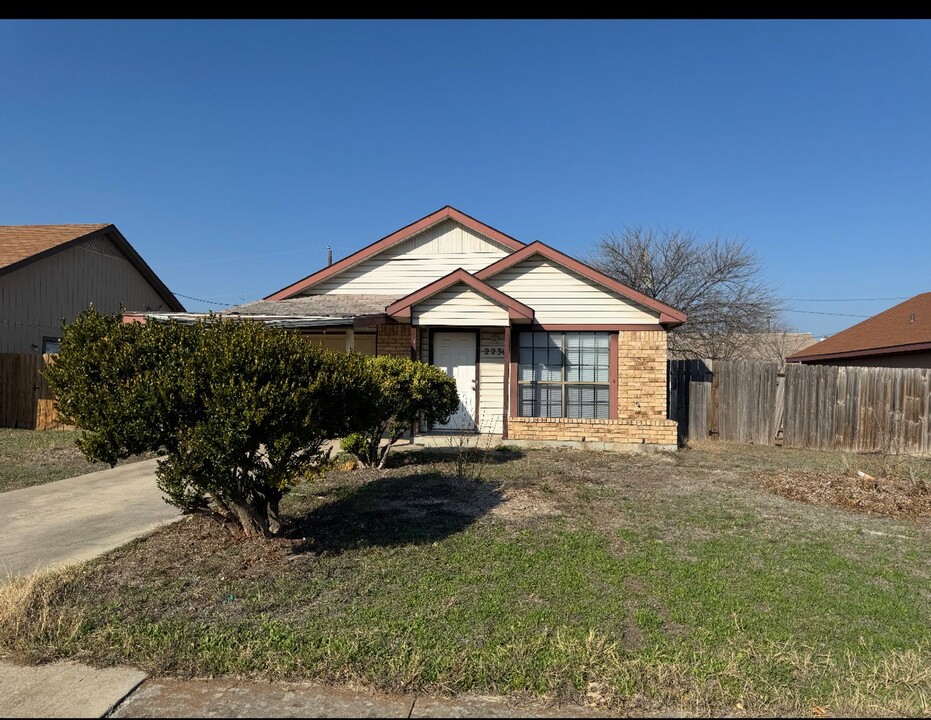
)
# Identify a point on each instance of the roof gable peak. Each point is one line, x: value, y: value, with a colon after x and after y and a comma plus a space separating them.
x: 668, y: 315
x: 447, y: 212
x: 516, y: 310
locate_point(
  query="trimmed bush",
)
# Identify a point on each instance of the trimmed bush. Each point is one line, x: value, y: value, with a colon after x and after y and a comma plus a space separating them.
x: 238, y: 411
x: 402, y: 393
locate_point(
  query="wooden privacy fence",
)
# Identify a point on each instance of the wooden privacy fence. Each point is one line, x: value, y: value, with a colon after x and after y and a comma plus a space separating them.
x: 25, y: 398
x: 858, y: 409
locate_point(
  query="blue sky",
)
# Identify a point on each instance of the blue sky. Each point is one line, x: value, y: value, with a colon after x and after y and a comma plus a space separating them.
x: 230, y: 154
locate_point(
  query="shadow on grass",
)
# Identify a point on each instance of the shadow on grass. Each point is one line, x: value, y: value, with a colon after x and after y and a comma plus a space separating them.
x: 389, y: 511
x: 440, y: 453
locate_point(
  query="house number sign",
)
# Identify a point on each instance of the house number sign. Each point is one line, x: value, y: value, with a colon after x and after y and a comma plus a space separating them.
x: 492, y: 346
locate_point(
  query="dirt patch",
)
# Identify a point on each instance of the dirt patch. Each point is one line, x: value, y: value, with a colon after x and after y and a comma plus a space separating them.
x: 522, y: 505
x: 887, y: 497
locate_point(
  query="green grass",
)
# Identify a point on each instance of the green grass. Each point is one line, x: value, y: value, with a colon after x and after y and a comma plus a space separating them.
x: 33, y: 457
x: 640, y: 582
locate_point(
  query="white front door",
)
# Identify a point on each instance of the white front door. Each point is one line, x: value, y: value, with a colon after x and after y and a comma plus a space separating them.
x: 455, y: 353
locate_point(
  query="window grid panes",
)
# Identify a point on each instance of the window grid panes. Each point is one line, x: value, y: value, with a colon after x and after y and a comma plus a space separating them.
x: 564, y: 374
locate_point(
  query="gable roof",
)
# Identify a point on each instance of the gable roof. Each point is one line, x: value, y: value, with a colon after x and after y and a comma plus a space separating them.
x: 445, y: 213
x: 21, y: 245
x: 902, y: 328
x: 668, y: 316
x: 516, y: 309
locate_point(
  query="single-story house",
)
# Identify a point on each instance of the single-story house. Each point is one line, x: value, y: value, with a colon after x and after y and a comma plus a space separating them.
x: 543, y: 347
x: 898, y: 337
x: 50, y: 273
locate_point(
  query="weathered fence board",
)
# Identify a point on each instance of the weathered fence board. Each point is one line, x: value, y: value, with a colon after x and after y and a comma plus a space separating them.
x: 25, y: 398
x: 805, y: 406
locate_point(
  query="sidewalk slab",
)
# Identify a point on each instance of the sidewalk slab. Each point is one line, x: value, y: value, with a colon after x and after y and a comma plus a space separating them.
x: 165, y: 697
x: 242, y: 698
x: 468, y: 706
x: 63, y: 690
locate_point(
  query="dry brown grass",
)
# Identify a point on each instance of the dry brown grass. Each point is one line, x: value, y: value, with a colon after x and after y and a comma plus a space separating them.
x: 28, y: 610
x: 891, y: 496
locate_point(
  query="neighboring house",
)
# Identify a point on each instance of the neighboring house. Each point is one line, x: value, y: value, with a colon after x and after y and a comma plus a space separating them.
x: 899, y: 337
x: 53, y: 272
x: 542, y: 346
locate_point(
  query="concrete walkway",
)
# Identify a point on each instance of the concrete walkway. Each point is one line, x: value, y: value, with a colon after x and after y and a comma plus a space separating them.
x: 76, y: 519
x: 73, y: 690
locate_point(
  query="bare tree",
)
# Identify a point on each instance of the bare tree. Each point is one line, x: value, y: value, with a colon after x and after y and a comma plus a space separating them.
x: 718, y: 284
x: 780, y: 341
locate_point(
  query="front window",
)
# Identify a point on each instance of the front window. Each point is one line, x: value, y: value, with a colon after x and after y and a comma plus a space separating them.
x: 564, y: 374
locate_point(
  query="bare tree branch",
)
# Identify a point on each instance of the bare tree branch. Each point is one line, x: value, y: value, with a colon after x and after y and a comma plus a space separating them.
x: 718, y: 284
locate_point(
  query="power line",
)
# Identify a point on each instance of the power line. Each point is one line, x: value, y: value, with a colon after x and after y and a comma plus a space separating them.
x: 209, y: 302
x: 34, y: 325
x: 843, y: 299
x: 815, y: 312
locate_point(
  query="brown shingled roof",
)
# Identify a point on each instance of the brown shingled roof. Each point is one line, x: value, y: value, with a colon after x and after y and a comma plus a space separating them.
x: 19, y: 242
x: 897, y: 329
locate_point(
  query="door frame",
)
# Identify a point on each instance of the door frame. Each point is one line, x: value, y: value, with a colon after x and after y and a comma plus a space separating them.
x: 477, y: 333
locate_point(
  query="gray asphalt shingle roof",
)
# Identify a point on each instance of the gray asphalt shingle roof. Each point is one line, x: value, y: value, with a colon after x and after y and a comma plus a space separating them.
x: 318, y: 306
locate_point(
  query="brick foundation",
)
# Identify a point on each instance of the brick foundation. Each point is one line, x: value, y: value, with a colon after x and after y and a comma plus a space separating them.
x: 636, y: 432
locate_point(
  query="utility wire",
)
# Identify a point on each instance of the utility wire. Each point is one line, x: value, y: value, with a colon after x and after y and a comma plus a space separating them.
x: 843, y: 299
x: 815, y: 312
x: 34, y: 325
x: 188, y: 297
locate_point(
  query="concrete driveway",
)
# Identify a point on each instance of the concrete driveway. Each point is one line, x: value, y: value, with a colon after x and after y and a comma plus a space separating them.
x: 72, y: 520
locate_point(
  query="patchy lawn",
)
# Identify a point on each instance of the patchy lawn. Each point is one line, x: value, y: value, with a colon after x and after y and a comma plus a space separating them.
x: 33, y: 457
x: 637, y: 582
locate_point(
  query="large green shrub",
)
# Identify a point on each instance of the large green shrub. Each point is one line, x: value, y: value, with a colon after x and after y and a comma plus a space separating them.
x: 238, y: 411
x: 402, y: 392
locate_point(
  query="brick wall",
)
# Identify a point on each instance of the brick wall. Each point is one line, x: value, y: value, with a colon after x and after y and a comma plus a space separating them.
x: 636, y: 432
x: 641, y: 407
x: 641, y: 375
x: 394, y: 339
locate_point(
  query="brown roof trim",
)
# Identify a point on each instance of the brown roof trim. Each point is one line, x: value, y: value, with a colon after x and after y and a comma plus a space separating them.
x: 891, y: 350
x: 111, y: 233
x: 516, y: 309
x: 669, y: 316
x: 445, y: 213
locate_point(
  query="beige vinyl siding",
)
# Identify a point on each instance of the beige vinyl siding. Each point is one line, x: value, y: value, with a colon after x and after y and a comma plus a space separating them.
x: 416, y: 262
x: 459, y: 305
x: 34, y: 298
x: 559, y: 295
x: 491, y: 382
